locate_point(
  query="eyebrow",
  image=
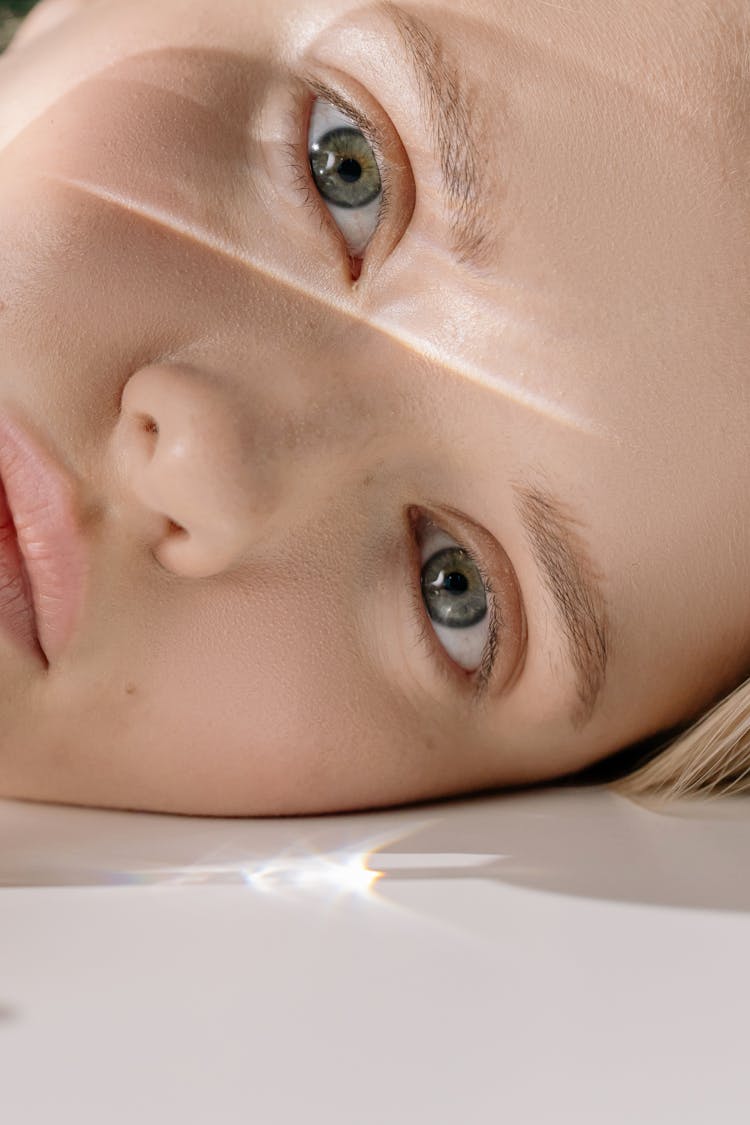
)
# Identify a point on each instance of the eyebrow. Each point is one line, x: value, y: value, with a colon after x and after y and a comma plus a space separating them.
x: 570, y: 578
x: 450, y: 108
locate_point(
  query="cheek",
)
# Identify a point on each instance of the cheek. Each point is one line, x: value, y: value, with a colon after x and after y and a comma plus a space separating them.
x: 275, y: 709
x: 223, y: 702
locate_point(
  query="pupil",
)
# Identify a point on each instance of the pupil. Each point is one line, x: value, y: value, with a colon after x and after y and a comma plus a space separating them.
x: 350, y: 170
x: 453, y: 591
x: 456, y: 583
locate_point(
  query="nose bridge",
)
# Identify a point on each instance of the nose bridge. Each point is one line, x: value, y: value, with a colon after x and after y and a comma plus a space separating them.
x: 324, y: 422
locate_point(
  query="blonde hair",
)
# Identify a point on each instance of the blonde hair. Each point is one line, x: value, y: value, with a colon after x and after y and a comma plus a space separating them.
x: 710, y: 757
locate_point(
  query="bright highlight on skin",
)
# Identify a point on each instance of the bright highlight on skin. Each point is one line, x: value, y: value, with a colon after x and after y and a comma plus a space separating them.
x: 419, y: 347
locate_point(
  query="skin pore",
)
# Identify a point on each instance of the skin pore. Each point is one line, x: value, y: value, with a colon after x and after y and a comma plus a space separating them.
x: 272, y: 416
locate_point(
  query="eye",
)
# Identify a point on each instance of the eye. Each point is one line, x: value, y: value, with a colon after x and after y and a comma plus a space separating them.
x: 346, y: 174
x: 456, y: 597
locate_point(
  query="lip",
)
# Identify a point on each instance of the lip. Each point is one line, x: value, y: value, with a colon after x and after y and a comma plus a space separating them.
x: 43, y: 558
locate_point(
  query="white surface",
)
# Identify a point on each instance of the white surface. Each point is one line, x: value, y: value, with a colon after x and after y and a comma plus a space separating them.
x: 549, y: 957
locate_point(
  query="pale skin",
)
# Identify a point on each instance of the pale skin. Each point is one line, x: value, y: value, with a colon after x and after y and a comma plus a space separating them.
x: 263, y: 428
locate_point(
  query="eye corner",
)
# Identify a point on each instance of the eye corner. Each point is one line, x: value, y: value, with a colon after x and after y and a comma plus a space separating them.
x: 355, y: 268
x: 414, y: 516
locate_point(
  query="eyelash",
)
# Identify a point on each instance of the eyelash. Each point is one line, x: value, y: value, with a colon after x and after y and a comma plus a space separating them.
x: 299, y: 160
x: 481, y: 677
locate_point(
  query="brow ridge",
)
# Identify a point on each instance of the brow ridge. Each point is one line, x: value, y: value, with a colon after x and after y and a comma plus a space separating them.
x: 570, y: 578
x: 449, y: 112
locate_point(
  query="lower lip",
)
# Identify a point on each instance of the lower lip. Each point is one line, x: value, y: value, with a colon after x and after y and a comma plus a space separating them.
x: 16, y: 608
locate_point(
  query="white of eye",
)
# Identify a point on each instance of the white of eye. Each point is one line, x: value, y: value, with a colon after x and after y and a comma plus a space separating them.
x: 453, y: 590
x: 346, y: 174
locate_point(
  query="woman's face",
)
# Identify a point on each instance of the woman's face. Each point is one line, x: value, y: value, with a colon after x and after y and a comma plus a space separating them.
x: 439, y: 488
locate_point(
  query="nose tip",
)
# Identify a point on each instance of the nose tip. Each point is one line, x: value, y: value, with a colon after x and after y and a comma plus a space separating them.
x: 182, y: 459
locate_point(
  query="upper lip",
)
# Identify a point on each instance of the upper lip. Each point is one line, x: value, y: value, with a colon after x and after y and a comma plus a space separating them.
x: 42, y: 501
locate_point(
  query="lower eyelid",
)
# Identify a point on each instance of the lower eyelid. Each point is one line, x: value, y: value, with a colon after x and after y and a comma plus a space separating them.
x: 298, y: 163
x: 440, y: 658
x: 296, y: 151
x: 506, y: 602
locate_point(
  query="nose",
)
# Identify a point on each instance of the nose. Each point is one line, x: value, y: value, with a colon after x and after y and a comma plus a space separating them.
x: 190, y: 485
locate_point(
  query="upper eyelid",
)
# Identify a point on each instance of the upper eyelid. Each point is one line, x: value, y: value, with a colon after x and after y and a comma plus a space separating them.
x: 369, y: 128
x: 357, y: 116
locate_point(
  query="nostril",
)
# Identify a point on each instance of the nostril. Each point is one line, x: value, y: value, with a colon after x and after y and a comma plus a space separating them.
x: 142, y: 434
x: 176, y: 529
